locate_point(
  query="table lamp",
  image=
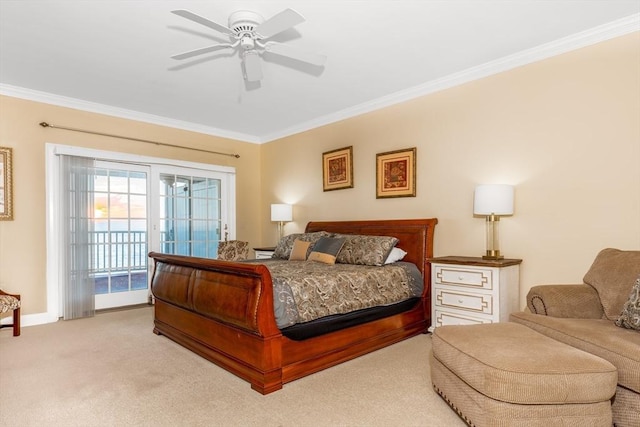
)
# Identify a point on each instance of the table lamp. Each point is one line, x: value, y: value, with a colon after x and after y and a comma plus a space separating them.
x: 281, y: 213
x: 493, y: 201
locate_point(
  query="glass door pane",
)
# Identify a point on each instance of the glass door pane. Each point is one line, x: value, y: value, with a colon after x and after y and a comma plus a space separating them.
x: 119, y: 242
x: 190, y: 215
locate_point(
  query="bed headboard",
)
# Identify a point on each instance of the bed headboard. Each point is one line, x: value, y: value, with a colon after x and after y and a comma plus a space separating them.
x: 416, y: 235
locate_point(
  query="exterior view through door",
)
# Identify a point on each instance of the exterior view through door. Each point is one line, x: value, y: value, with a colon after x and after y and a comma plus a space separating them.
x: 120, y: 230
x: 107, y: 211
x: 190, y: 215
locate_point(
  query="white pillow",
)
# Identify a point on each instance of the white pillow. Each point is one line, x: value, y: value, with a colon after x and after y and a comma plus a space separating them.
x: 395, y: 255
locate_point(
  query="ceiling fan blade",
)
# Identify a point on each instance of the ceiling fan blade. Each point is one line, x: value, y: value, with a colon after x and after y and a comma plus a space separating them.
x: 202, y: 21
x: 299, y: 55
x: 279, y: 22
x: 200, y: 51
x: 252, y: 67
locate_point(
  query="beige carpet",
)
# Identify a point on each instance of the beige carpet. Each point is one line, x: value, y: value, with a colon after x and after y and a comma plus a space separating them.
x: 111, y: 370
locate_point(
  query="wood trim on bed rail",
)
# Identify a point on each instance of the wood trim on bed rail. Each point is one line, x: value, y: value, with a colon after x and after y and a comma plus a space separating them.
x: 223, y: 311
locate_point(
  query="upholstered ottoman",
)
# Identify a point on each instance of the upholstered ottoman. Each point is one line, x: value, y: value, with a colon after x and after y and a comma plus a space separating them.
x: 505, y: 374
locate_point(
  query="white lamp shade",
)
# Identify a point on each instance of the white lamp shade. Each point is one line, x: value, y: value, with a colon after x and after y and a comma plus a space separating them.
x: 281, y: 212
x: 494, y: 199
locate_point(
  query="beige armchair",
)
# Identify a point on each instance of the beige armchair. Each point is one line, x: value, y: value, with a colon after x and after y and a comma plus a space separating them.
x: 11, y: 302
x: 603, y: 294
x: 599, y: 316
x: 233, y: 250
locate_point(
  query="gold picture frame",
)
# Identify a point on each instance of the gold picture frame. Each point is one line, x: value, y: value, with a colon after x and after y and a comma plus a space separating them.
x: 337, y: 169
x: 6, y: 184
x: 396, y: 173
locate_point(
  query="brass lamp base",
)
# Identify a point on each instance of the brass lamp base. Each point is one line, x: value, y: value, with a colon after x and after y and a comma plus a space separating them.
x: 492, y: 255
x: 493, y: 238
x: 280, y: 230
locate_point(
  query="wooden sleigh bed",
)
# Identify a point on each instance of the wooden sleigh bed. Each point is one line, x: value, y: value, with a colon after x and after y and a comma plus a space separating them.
x: 224, y: 311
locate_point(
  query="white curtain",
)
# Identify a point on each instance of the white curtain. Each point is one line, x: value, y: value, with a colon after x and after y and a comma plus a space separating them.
x: 77, y: 207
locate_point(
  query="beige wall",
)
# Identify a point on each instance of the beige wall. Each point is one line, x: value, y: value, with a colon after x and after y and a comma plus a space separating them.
x: 22, y: 241
x: 565, y: 131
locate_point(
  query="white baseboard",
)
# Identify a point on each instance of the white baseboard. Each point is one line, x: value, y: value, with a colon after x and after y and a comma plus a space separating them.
x: 31, y: 319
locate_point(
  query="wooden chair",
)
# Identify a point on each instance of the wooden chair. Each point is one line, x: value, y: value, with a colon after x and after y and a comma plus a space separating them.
x: 233, y: 250
x: 11, y: 302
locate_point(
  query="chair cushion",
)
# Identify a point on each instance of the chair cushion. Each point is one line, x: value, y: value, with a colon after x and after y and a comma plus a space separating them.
x: 600, y: 337
x: 8, y: 303
x: 612, y: 274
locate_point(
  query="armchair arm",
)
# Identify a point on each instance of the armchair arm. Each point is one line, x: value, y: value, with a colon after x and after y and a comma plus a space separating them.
x: 16, y: 296
x: 573, y: 301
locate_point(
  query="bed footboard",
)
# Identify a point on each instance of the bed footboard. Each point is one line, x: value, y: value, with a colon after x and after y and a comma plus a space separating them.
x: 222, y: 311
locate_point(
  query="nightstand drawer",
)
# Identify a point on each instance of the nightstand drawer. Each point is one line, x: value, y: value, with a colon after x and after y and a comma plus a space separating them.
x: 444, y: 318
x: 264, y: 253
x: 470, y: 277
x: 479, y: 303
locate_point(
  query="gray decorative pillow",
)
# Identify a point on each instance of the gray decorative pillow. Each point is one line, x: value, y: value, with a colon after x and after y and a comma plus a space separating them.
x: 630, y: 317
x: 364, y: 249
x: 285, y: 245
x: 326, y: 249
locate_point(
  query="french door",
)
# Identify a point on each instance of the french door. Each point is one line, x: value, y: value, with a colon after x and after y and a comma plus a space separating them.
x: 188, y: 217
x: 132, y: 205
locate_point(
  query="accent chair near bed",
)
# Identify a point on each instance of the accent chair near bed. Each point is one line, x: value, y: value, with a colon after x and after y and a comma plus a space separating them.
x: 11, y: 302
x: 600, y: 316
x: 233, y: 250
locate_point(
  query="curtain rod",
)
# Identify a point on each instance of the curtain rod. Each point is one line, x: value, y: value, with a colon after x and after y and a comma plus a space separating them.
x: 47, y: 125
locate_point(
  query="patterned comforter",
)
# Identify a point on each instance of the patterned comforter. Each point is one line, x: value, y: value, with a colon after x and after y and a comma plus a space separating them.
x: 304, y: 291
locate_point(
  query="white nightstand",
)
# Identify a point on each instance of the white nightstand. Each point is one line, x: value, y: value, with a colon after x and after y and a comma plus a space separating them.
x: 264, y: 253
x: 470, y: 290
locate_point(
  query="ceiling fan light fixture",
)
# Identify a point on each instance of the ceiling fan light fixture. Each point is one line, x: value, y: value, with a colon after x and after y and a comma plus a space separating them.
x: 252, y: 69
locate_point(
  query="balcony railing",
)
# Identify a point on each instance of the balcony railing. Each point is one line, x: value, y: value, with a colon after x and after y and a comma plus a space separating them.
x: 119, y: 251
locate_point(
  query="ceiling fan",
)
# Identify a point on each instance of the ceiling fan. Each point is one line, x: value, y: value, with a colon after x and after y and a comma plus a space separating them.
x: 249, y: 32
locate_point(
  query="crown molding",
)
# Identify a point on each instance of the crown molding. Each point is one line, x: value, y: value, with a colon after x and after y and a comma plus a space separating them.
x: 93, y: 107
x: 579, y: 40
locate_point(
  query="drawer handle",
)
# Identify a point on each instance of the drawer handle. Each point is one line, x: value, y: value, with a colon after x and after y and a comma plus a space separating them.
x: 460, y: 301
x: 460, y: 277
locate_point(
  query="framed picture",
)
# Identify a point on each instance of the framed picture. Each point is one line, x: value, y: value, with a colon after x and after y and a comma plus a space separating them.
x: 396, y: 173
x: 6, y: 189
x: 337, y: 169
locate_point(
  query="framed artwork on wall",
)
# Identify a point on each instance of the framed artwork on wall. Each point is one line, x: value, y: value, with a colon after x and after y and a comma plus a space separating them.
x: 337, y: 169
x: 6, y: 184
x: 396, y: 173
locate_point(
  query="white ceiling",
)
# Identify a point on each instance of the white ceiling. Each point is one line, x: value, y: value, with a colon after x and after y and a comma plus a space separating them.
x: 113, y: 57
